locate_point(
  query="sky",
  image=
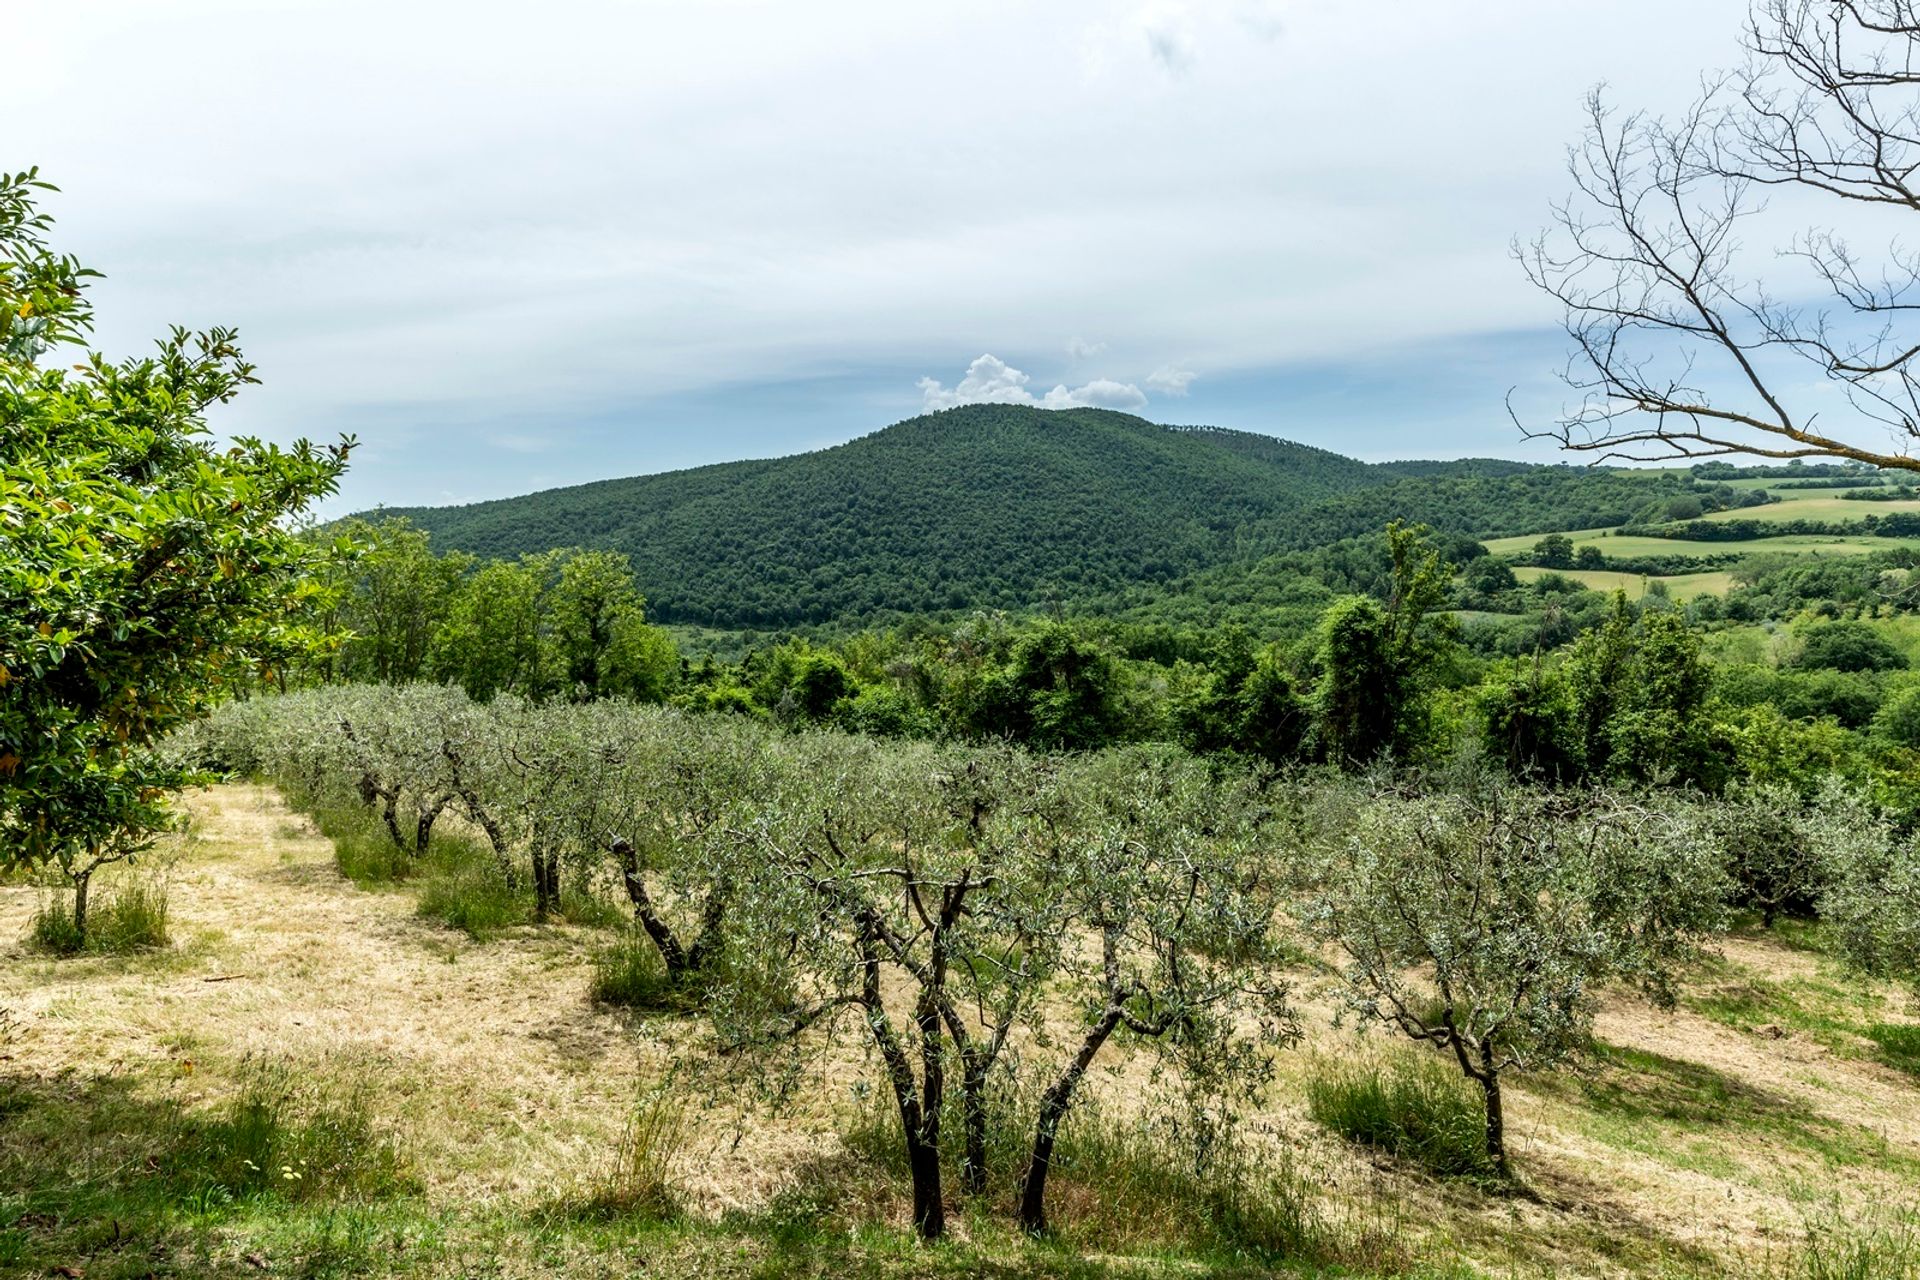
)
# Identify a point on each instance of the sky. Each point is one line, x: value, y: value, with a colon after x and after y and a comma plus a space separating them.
x: 513, y: 246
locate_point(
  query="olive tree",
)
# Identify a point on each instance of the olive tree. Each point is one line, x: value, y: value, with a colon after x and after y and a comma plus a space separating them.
x: 1870, y: 898
x: 673, y: 793
x: 1170, y: 891
x: 1482, y: 920
x: 1770, y: 840
x: 950, y: 901
x: 144, y: 567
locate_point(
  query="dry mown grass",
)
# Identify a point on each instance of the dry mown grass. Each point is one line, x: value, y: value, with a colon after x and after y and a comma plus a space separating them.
x: 1704, y: 1141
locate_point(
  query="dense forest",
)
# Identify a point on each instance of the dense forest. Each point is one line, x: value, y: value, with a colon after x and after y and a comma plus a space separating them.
x: 1009, y: 507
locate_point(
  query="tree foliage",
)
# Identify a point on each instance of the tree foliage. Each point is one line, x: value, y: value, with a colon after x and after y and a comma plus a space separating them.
x: 144, y: 567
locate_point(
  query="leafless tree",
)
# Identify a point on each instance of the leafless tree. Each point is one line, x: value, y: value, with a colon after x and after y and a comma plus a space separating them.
x: 1651, y: 256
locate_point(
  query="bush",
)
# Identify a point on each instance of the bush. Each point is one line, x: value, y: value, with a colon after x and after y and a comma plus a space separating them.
x: 1410, y: 1106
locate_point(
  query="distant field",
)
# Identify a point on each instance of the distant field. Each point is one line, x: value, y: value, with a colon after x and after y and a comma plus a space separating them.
x: 1815, y: 504
x: 1838, y: 544
x: 1683, y: 586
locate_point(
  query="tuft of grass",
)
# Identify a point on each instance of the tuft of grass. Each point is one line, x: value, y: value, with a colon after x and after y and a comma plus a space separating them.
x: 590, y: 910
x: 1408, y: 1105
x: 639, y: 1182
x: 1899, y: 1044
x: 1839, y: 1246
x: 1120, y: 1183
x: 130, y: 916
x: 362, y: 849
x: 474, y: 898
x: 629, y: 972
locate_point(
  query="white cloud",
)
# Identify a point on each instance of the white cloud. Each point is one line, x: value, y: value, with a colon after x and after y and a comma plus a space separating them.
x: 1081, y: 349
x: 991, y: 380
x: 1171, y: 380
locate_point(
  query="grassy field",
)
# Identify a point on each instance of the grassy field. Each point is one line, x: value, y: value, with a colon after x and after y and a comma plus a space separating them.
x: 1680, y: 586
x: 1815, y: 504
x: 1614, y: 545
x: 313, y: 1080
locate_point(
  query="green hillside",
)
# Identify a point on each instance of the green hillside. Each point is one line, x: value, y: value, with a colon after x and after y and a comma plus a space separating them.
x: 1004, y: 506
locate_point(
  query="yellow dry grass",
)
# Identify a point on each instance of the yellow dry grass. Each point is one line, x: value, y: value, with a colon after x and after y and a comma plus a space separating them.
x: 1709, y: 1146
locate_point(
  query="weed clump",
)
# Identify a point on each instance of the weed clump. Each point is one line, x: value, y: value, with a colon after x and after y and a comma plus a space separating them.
x: 1409, y: 1106
x: 630, y: 973
x: 638, y: 1182
x: 132, y: 917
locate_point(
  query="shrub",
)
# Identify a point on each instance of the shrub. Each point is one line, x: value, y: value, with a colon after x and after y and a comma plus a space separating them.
x: 1409, y: 1106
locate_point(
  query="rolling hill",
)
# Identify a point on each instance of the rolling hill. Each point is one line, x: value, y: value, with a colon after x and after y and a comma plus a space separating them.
x: 1007, y: 506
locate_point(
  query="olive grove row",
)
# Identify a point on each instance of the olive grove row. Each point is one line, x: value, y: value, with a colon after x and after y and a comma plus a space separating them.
x: 987, y: 920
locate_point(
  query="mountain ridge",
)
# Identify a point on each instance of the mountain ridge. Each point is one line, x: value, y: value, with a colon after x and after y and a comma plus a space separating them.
x: 997, y: 506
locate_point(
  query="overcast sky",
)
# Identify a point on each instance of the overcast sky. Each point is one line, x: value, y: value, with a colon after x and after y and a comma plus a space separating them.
x: 514, y: 246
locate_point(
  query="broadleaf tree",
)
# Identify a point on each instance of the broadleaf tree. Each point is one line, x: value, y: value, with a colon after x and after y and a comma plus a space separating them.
x: 145, y: 566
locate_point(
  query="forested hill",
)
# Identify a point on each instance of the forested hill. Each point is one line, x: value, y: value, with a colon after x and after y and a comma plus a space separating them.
x: 1004, y: 506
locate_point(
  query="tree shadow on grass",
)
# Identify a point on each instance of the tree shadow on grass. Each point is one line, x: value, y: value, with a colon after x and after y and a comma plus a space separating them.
x: 116, y: 1175
x: 1654, y: 1092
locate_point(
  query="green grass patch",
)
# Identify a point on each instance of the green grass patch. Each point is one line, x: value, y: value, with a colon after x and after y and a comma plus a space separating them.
x: 362, y: 847
x: 471, y: 895
x: 126, y: 916
x: 1411, y: 1106
x: 629, y: 972
x: 1899, y: 1044
x: 122, y: 1176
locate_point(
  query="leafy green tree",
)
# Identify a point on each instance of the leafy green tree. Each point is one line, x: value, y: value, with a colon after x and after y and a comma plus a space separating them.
x: 1844, y: 645
x: 1555, y: 551
x: 1591, y: 557
x: 490, y: 641
x: 590, y: 602
x: 642, y: 662
x: 1377, y: 663
x: 1056, y: 687
x: 1898, y: 719
x: 398, y: 593
x: 1526, y: 720
x: 1639, y: 685
x: 144, y: 568
x: 1357, y: 705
